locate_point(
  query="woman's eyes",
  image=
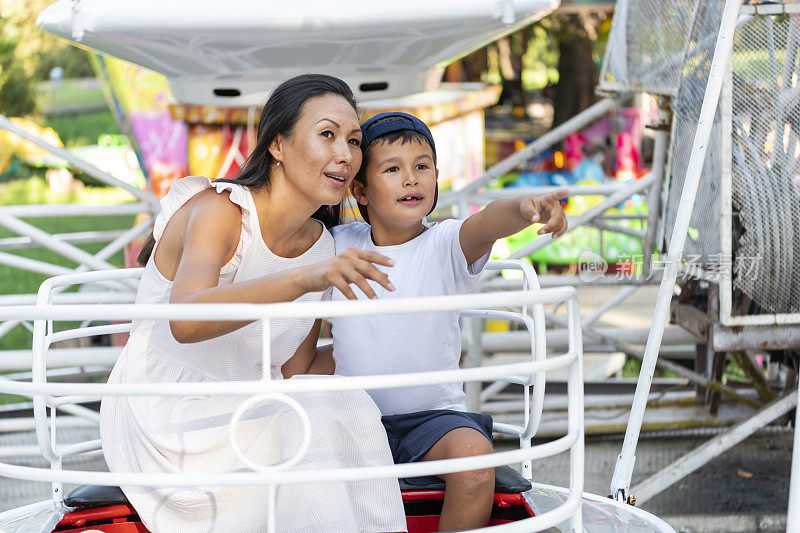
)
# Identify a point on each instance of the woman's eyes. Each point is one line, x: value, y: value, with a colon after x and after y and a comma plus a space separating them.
x: 328, y: 134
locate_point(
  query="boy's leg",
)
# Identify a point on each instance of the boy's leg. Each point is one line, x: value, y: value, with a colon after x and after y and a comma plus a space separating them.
x: 469, y: 495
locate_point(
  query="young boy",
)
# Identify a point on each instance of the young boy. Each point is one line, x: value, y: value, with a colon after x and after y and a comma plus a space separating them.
x: 395, y: 189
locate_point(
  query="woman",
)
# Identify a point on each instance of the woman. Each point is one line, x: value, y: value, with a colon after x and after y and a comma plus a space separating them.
x: 257, y: 238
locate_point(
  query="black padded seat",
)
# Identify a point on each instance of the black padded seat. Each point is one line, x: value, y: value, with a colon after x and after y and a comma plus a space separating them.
x: 91, y: 496
x: 506, y: 481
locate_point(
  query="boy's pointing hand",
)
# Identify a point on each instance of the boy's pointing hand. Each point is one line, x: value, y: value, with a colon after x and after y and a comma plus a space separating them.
x: 546, y: 209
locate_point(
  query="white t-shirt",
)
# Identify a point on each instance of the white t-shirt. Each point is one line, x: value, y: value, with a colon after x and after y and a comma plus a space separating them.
x: 431, y: 264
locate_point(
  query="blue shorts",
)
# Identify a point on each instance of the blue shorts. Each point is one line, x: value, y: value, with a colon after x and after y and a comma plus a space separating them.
x: 411, y: 435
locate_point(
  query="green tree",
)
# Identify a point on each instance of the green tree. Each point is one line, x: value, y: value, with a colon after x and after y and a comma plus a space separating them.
x: 17, y: 92
x: 39, y: 50
x: 578, y: 71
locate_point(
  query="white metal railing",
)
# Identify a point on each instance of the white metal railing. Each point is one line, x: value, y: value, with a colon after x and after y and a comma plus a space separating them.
x: 64, y: 244
x: 47, y: 396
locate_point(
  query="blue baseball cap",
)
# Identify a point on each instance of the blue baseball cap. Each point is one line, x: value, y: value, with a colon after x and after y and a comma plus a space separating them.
x: 385, y: 123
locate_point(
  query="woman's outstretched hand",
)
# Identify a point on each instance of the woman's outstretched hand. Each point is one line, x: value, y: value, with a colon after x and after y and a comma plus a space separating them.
x: 354, y: 266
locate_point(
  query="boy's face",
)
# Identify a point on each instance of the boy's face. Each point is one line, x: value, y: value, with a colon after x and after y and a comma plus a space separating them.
x: 401, y: 183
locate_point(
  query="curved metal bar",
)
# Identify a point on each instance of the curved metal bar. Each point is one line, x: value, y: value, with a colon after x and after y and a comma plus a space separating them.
x: 295, y: 406
x: 275, y: 477
x: 327, y: 383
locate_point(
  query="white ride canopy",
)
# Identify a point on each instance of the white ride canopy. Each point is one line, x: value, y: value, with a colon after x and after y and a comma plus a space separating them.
x: 237, y: 53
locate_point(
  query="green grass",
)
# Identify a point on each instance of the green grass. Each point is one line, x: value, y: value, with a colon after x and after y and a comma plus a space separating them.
x: 76, y: 129
x: 71, y: 93
x: 35, y: 191
x: 83, y: 129
x: 633, y: 366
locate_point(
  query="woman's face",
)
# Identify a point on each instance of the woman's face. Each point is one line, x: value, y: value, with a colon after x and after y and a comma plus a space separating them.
x: 323, y: 153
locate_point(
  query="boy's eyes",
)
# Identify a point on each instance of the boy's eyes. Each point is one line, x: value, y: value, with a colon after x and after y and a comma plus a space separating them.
x: 420, y: 166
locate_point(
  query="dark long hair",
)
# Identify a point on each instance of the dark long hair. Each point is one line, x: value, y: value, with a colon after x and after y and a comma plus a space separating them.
x: 279, y: 117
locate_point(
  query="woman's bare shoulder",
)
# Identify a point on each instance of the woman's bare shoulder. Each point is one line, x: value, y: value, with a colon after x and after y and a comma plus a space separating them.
x: 209, y: 223
x: 211, y: 202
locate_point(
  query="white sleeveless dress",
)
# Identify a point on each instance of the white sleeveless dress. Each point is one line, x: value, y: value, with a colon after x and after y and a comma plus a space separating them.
x: 190, y: 434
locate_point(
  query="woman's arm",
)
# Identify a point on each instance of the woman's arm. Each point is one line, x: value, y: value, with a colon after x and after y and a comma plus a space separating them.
x: 507, y: 216
x: 206, y: 246
x: 204, y: 249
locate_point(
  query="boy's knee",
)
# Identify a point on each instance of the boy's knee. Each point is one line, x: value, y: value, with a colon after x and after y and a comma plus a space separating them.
x: 476, y: 444
x: 473, y: 481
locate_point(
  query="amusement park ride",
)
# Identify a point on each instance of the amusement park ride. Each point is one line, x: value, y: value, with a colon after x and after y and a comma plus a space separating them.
x: 726, y: 155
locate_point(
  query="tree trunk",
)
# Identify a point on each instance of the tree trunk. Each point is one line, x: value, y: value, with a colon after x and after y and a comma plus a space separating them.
x: 577, y: 75
x: 510, y: 50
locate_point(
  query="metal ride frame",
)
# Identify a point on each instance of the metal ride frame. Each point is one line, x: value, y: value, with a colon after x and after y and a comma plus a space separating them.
x: 662, y: 338
x: 49, y: 397
x: 774, y: 331
x: 601, y: 338
x: 74, y: 361
x: 720, y: 76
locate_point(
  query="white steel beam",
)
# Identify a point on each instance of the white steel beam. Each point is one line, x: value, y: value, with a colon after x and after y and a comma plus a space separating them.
x: 68, y: 210
x: 793, y: 518
x: 80, y: 164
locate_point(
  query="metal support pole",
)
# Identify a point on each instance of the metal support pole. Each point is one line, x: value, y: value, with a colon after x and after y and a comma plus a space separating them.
x: 7, y: 326
x: 630, y: 349
x: 654, y: 194
x: 623, y: 471
x: 146, y: 196
x: 67, y: 250
x: 609, y: 304
x: 472, y: 358
x: 45, y: 239
x: 32, y: 265
x: 793, y: 518
x: 639, y: 234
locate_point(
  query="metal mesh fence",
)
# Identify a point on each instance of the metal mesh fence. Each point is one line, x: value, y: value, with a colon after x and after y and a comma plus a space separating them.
x: 765, y: 159
x: 647, y: 44
x: 703, y: 242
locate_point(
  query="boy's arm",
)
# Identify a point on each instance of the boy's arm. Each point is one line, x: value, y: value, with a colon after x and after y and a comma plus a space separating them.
x: 304, y: 357
x: 507, y: 216
x: 323, y: 362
